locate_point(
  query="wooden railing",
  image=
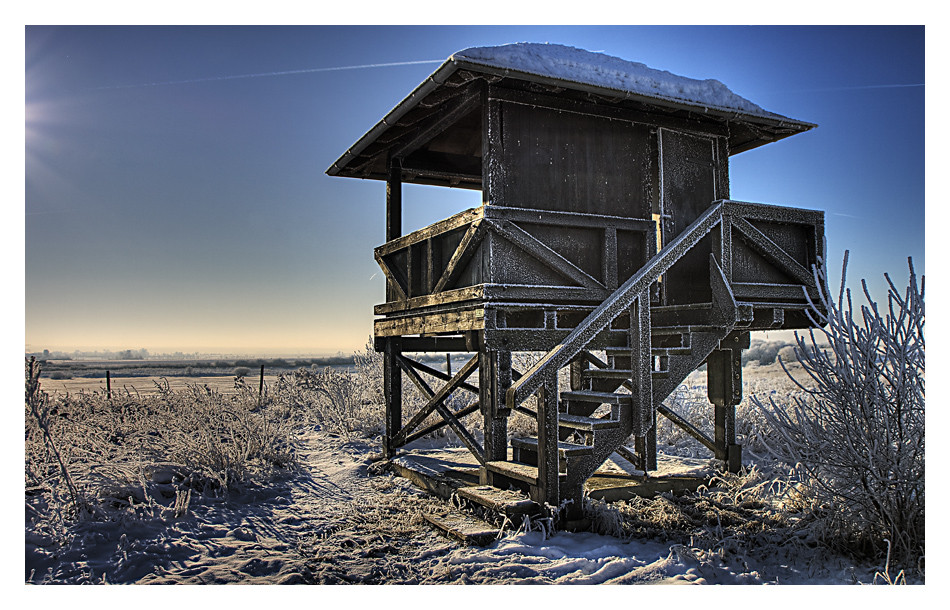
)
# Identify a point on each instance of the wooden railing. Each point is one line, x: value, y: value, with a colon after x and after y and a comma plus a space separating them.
x: 634, y: 289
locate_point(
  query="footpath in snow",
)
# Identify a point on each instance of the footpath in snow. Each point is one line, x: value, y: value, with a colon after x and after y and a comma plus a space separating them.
x: 337, y: 520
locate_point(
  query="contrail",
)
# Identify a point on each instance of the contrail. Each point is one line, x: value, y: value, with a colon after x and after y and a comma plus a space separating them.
x: 861, y: 87
x: 280, y: 73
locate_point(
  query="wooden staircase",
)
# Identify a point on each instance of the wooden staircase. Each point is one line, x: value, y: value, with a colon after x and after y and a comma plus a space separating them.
x: 597, y: 419
x: 580, y: 428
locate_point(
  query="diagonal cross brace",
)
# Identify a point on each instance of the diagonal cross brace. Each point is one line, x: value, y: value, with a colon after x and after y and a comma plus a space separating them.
x: 390, y: 274
x: 440, y: 375
x: 463, y: 253
x: 541, y: 251
x: 772, y: 251
x: 435, y: 402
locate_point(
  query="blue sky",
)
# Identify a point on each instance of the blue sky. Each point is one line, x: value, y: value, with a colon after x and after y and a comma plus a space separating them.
x: 175, y: 195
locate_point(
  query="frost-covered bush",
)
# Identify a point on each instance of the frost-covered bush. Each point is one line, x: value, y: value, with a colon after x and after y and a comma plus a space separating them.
x: 763, y: 352
x: 857, y: 432
x: 342, y: 402
x: 92, y: 456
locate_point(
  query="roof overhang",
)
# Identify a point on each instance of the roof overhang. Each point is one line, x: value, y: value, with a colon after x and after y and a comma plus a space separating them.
x: 451, y: 92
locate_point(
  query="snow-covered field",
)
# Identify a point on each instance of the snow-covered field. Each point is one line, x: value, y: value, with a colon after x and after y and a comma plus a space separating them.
x: 339, y: 518
x: 334, y: 522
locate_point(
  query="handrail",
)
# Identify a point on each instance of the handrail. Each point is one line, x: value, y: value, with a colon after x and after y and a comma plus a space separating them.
x: 619, y: 302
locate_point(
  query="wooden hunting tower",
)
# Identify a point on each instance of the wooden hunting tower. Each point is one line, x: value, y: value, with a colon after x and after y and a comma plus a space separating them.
x: 606, y: 241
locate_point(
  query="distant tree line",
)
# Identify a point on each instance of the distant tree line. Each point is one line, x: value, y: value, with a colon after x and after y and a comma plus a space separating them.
x: 125, y: 354
x: 769, y: 352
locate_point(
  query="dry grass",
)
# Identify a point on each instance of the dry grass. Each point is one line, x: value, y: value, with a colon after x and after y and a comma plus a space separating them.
x: 140, y: 386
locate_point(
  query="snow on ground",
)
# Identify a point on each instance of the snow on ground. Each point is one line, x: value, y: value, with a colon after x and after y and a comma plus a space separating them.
x: 339, y: 520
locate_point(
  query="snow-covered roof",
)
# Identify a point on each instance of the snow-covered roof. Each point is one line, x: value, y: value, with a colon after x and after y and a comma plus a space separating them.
x: 587, y: 76
x: 581, y: 67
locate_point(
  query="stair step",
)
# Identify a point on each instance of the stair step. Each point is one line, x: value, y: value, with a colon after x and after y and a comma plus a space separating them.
x: 672, y: 351
x: 683, y: 330
x: 603, y: 398
x: 622, y: 352
x: 622, y: 373
x: 505, y: 501
x: 564, y: 448
x: 468, y: 529
x: 579, y: 422
x: 515, y: 470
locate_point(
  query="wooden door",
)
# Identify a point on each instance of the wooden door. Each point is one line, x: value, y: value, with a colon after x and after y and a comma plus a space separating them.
x: 689, y: 183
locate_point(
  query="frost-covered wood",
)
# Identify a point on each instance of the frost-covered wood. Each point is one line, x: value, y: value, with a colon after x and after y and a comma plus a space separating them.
x: 605, y: 224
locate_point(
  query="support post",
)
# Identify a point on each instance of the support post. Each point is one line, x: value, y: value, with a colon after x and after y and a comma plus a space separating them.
x: 645, y: 447
x: 394, y: 200
x: 548, y: 459
x: 392, y: 393
x: 260, y: 389
x: 494, y: 379
x: 578, y: 368
x: 724, y: 388
x: 641, y: 363
x: 393, y: 216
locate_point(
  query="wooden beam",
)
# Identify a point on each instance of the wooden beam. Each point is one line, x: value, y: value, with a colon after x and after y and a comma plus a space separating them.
x: 439, y: 375
x: 455, y: 221
x: 447, y: 322
x: 773, y: 213
x: 609, y: 254
x: 444, y: 165
x: 460, y: 257
x: 428, y: 344
x: 469, y: 293
x: 392, y: 394
x: 772, y: 251
x: 394, y: 201
x: 774, y: 292
x: 543, y: 294
x: 559, y: 218
x: 687, y: 427
x: 430, y: 429
x: 494, y: 377
x: 642, y: 364
x: 435, y: 402
x: 398, y: 286
x: 493, y: 174
x: 548, y: 458
x: 543, y: 253
x: 433, y: 399
x: 445, y: 118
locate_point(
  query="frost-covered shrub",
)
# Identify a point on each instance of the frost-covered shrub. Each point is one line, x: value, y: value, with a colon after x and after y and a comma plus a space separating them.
x: 857, y: 431
x: 91, y: 456
x: 787, y: 354
x: 763, y: 352
x: 689, y: 401
x: 339, y: 401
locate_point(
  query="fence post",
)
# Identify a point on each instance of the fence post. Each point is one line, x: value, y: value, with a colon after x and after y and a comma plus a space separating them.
x: 108, y: 385
x: 260, y: 390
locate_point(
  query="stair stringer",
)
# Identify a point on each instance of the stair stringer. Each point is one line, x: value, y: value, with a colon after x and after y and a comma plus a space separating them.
x: 702, y: 341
